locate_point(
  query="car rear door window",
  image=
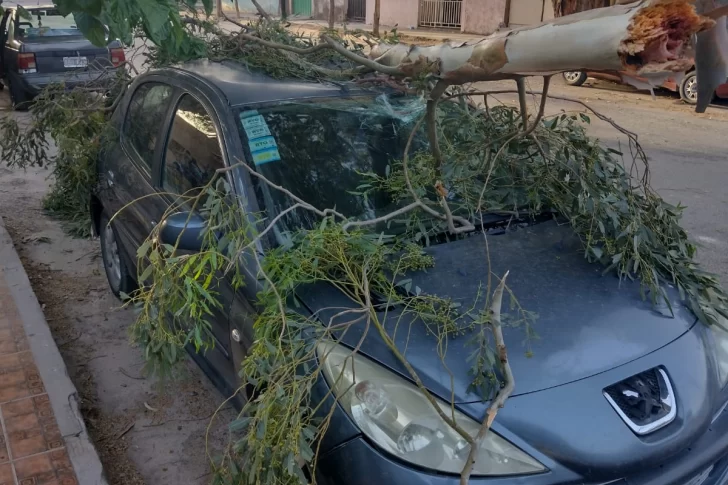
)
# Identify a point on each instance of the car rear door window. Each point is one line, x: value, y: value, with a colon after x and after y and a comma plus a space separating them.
x: 193, y: 152
x: 144, y: 119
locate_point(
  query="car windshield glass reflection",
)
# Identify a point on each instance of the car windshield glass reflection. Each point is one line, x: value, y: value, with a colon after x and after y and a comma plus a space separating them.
x: 319, y: 150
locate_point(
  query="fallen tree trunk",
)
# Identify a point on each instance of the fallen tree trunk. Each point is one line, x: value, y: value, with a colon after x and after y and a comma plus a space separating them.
x: 648, y: 39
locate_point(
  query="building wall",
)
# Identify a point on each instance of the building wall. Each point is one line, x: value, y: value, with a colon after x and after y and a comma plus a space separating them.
x: 483, y: 16
x: 395, y: 12
x: 320, y: 9
x: 530, y: 12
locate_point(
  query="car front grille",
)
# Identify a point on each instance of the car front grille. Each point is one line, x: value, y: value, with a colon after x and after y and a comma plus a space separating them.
x: 645, y: 401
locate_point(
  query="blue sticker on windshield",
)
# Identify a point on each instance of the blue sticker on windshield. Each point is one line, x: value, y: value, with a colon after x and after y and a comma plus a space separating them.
x: 266, y: 156
x: 262, y: 144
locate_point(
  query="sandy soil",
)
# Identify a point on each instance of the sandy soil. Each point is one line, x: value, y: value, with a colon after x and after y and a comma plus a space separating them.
x: 145, y: 432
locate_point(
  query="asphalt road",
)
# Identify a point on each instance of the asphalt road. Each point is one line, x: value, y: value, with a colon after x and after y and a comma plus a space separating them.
x: 688, y: 153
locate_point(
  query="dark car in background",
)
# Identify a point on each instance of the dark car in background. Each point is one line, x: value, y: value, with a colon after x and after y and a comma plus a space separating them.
x: 615, y: 392
x: 47, y: 49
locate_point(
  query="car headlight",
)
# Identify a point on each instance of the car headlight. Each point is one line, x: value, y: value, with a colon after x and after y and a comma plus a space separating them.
x: 721, y: 351
x: 395, y: 415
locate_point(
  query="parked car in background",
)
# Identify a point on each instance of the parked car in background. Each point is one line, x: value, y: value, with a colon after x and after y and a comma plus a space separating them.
x: 616, y: 391
x: 48, y: 48
x: 687, y: 88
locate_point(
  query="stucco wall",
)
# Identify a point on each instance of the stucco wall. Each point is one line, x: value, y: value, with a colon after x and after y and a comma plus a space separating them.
x: 321, y: 10
x: 482, y: 16
x: 401, y: 12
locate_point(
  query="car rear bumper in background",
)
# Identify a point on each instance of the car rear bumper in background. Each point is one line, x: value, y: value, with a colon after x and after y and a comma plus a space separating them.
x: 357, y: 462
x: 35, y: 83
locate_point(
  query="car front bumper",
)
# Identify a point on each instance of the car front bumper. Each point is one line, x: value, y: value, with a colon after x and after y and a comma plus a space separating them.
x: 357, y: 462
x: 34, y: 83
x: 572, y: 431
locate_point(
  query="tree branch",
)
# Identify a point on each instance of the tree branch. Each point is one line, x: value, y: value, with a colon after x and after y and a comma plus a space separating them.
x: 261, y: 10
x: 504, y: 393
x: 431, y: 122
x: 369, y: 63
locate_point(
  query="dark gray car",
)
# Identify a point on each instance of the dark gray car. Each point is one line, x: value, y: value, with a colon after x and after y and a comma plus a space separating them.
x: 616, y: 391
x: 48, y: 48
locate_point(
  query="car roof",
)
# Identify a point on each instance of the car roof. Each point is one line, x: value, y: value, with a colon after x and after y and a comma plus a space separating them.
x: 242, y: 86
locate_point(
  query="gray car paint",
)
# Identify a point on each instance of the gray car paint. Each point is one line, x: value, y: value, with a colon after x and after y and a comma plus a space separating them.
x: 587, y: 323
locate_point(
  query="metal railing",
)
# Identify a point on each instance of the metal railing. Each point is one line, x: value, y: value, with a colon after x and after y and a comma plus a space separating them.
x: 441, y: 13
x: 357, y: 11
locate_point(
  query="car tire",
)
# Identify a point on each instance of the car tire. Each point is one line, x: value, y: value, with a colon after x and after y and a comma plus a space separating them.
x: 689, y: 88
x: 117, y: 272
x: 19, y: 97
x: 574, y: 78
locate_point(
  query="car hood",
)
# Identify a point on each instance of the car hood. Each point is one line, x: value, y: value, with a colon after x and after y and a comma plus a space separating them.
x: 587, y: 323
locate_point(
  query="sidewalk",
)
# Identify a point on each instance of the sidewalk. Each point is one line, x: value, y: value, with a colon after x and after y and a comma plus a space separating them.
x: 44, y: 439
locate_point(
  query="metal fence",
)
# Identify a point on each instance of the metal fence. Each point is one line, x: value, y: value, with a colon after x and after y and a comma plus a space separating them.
x: 357, y: 11
x: 441, y: 13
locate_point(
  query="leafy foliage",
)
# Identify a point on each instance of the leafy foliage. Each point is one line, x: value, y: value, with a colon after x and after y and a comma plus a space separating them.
x: 76, y: 120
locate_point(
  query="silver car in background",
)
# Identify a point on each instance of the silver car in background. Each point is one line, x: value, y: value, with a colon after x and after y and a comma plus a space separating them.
x: 47, y: 49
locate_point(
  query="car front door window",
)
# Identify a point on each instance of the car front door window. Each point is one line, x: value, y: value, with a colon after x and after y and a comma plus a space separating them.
x: 145, y: 116
x: 193, y: 153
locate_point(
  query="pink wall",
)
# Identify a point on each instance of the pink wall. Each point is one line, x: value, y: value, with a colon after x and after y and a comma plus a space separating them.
x: 482, y: 16
x: 401, y: 12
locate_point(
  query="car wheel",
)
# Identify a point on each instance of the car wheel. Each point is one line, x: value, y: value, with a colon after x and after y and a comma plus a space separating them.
x: 120, y: 279
x: 574, y: 78
x: 689, y: 88
x: 18, y: 97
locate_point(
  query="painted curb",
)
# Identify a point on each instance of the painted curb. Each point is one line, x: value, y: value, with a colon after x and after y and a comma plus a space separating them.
x: 61, y: 391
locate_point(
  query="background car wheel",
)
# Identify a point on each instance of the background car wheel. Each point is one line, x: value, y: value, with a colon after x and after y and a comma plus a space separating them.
x: 574, y: 78
x: 117, y: 272
x: 689, y: 88
x: 18, y: 97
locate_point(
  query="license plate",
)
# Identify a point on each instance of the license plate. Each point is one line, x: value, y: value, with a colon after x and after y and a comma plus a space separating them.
x: 700, y: 479
x: 75, y: 62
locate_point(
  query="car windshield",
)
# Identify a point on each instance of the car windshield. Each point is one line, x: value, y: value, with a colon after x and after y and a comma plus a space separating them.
x: 47, y: 23
x: 318, y: 149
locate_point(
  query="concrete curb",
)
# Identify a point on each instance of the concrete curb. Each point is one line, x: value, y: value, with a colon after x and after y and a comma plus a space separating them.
x: 61, y: 391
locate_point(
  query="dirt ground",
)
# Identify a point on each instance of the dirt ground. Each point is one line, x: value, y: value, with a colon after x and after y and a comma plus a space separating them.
x: 145, y: 432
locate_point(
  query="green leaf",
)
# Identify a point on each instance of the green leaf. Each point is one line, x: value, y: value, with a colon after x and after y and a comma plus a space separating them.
x: 208, y: 7
x: 92, y: 28
x: 24, y: 14
x: 156, y: 18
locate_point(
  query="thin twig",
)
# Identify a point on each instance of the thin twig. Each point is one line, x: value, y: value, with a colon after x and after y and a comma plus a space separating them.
x: 369, y: 63
x: 123, y: 371
x: 521, y: 88
x: 431, y: 118
x: 504, y: 393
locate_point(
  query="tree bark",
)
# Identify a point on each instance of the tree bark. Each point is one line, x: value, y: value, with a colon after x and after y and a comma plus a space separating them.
x: 649, y: 39
x: 237, y: 9
x: 375, y: 26
x: 332, y: 9
x: 218, y: 5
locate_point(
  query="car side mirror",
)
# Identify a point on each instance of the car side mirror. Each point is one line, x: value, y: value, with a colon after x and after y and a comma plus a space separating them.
x: 185, y: 227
